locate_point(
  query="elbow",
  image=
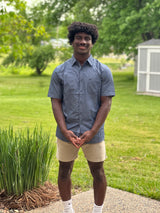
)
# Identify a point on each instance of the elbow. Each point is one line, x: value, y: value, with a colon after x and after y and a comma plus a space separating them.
x: 56, y: 104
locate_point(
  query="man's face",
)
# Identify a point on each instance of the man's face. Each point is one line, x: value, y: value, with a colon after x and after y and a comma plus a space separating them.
x: 82, y: 44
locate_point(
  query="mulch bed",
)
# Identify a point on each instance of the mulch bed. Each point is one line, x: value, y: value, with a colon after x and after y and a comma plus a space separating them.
x: 29, y: 200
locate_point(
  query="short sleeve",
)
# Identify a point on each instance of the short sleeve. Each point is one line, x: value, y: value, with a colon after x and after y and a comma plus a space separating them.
x: 55, y: 88
x: 107, y: 88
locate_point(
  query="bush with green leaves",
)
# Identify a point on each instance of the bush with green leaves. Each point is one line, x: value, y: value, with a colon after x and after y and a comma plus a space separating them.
x: 36, y: 57
x: 25, y: 159
x: 40, y: 58
x: 64, y: 53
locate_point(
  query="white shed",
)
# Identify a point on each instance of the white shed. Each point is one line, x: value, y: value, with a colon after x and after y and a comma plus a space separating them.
x: 149, y: 67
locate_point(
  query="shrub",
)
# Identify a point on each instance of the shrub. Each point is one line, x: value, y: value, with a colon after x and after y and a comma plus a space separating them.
x: 25, y: 159
x: 36, y: 58
x: 40, y: 58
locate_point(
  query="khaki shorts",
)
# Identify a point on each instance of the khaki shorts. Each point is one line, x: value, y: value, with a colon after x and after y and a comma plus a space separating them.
x: 68, y: 152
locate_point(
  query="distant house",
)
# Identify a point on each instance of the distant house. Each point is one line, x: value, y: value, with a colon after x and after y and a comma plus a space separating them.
x: 60, y: 42
x: 149, y: 67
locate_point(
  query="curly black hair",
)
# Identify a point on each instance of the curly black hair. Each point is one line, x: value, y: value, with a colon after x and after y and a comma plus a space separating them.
x: 81, y: 27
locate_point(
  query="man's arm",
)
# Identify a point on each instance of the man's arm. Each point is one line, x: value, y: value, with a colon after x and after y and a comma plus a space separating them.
x: 59, y: 117
x: 100, y: 118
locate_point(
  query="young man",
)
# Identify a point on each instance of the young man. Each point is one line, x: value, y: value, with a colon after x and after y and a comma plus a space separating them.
x: 81, y: 92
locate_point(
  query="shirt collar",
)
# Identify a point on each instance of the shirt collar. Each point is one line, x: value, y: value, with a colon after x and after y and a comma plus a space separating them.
x: 89, y: 60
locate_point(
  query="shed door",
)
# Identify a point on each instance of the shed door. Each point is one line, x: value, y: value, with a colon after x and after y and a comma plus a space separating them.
x: 153, y: 71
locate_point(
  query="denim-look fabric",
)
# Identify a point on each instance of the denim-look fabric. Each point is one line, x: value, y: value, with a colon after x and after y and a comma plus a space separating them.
x: 80, y: 89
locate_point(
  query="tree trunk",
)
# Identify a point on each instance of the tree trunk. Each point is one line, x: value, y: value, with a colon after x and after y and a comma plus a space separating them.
x: 147, y: 36
x: 38, y: 71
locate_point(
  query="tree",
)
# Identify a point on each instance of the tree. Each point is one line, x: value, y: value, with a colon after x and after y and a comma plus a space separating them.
x: 122, y: 23
x: 20, y: 38
x: 16, y: 31
x: 128, y: 23
x: 41, y: 57
x: 37, y: 58
x: 54, y: 10
x: 93, y: 12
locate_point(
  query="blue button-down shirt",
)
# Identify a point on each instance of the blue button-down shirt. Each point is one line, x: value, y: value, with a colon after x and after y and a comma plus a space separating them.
x: 80, y: 89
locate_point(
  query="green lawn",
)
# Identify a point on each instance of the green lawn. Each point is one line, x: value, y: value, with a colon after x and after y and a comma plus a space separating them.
x: 131, y: 130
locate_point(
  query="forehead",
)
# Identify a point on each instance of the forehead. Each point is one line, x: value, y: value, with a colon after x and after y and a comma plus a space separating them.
x: 82, y: 34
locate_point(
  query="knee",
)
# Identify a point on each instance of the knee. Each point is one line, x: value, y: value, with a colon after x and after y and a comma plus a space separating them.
x: 97, y: 171
x: 65, y: 170
x: 98, y: 174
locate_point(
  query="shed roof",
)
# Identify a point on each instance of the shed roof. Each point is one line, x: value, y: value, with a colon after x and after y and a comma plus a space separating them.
x: 151, y: 42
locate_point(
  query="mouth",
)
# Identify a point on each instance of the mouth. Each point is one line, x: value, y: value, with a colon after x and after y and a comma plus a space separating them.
x: 82, y: 47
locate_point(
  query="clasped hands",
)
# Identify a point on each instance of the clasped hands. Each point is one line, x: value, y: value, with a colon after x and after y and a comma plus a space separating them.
x: 79, y: 141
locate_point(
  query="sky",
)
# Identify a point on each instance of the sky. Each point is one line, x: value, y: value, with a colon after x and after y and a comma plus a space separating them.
x: 30, y: 3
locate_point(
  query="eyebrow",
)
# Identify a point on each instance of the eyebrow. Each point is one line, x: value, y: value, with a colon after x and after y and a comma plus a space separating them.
x: 87, y: 36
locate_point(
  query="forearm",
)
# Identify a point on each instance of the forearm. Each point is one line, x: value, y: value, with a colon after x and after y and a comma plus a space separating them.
x: 60, y: 119
x: 102, y: 114
x: 100, y: 118
x: 58, y: 114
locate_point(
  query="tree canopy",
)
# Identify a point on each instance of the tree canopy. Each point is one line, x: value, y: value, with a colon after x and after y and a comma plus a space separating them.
x: 128, y: 23
x: 122, y: 24
x: 16, y: 31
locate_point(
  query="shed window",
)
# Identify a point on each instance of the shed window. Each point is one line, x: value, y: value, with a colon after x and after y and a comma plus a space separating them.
x: 155, y: 62
x: 154, y: 82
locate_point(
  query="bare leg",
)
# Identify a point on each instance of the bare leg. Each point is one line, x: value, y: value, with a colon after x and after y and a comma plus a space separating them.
x: 64, y: 179
x: 99, y: 182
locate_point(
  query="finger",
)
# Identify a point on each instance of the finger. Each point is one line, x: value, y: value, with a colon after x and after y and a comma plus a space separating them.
x: 74, y: 136
x: 82, y: 136
x: 75, y: 144
x: 83, y: 141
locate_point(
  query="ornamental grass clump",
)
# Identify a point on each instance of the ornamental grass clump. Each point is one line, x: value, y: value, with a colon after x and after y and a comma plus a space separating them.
x: 25, y: 159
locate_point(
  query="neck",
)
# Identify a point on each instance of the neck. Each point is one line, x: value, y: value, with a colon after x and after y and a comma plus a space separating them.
x: 81, y: 58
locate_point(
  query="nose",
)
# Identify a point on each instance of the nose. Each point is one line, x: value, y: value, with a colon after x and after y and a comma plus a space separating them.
x: 83, y: 41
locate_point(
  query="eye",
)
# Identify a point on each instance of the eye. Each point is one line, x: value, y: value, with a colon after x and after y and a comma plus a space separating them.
x: 87, y: 38
x: 78, y: 37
